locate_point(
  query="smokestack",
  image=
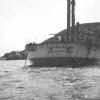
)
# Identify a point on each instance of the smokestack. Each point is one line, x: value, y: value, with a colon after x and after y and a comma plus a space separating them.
x: 68, y: 16
x: 73, y: 13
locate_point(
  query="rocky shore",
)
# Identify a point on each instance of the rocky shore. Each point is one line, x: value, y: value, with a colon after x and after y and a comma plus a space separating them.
x: 14, y: 55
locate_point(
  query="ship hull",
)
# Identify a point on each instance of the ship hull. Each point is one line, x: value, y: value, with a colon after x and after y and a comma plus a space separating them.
x: 62, y: 61
x: 60, y: 55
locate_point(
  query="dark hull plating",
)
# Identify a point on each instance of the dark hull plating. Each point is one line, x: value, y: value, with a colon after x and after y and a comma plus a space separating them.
x: 62, y: 61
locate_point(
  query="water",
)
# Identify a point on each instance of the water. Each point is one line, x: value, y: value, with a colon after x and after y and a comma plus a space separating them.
x: 27, y: 83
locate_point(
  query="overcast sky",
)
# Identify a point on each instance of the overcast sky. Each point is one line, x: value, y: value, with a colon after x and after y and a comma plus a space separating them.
x: 24, y: 21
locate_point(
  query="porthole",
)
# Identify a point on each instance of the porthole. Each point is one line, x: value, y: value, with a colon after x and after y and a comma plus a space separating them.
x: 62, y: 46
x: 56, y: 46
x: 54, y: 51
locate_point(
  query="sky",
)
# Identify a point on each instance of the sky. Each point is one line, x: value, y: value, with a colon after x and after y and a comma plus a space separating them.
x: 24, y: 21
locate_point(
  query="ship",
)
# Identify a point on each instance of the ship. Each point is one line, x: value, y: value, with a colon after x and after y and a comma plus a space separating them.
x: 74, y: 46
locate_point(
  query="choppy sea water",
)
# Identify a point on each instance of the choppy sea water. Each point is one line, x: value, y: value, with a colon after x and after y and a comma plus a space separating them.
x: 28, y: 83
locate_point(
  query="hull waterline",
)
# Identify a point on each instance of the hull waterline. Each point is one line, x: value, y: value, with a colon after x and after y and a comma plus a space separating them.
x: 62, y: 61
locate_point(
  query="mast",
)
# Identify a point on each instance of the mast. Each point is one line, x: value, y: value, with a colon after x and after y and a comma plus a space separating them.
x: 68, y: 16
x: 73, y: 13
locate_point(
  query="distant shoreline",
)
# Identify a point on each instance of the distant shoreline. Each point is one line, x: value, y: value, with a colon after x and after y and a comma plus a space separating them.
x: 14, y: 55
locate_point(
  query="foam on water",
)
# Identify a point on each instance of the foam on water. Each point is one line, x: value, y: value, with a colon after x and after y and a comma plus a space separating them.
x: 28, y: 83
